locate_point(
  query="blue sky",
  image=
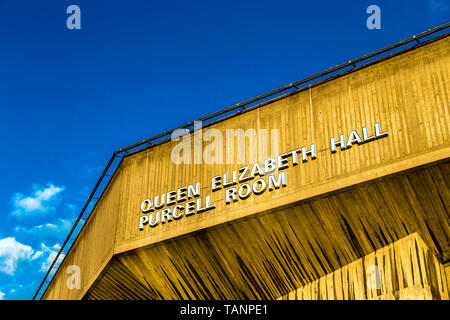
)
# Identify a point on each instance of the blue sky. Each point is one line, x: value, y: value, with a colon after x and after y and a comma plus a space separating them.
x: 69, y: 98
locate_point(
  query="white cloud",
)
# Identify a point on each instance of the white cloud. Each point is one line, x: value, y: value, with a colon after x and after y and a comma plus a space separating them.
x: 51, y: 254
x: 71, y: 208
x: 36, y: 255
x: 93, y: 170
x: 2, y: 296
x: 40, y: 201
x: 60, y: 227
x: 12, y: 252
x: 17, y: 291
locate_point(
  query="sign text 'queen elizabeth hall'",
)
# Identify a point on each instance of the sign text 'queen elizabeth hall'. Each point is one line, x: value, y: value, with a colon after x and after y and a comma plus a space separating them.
x: 241, y: 183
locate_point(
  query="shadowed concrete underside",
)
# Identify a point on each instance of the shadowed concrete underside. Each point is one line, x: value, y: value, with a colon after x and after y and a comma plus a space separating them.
x: 275, y: 253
